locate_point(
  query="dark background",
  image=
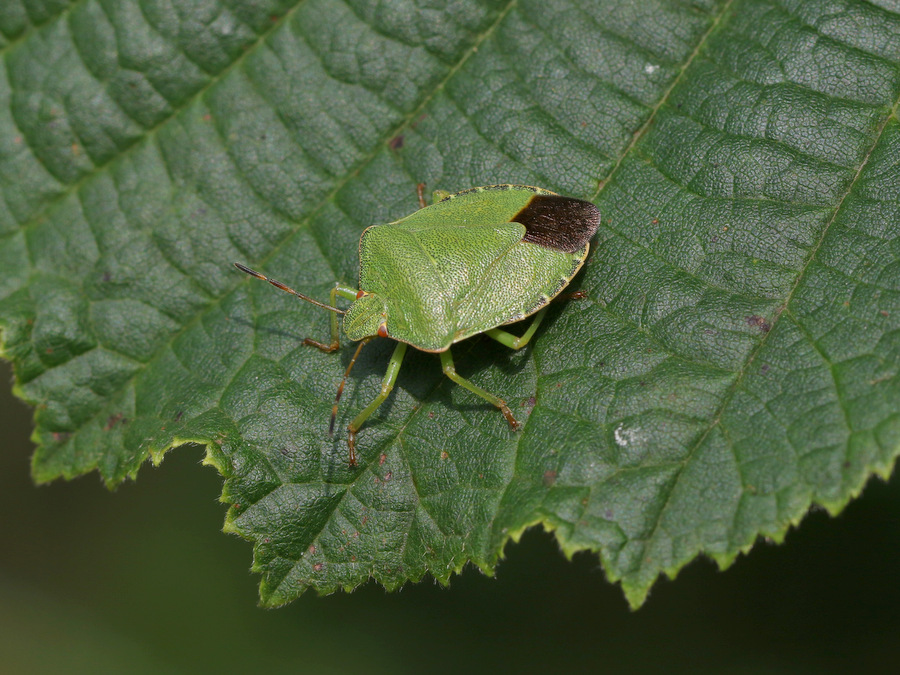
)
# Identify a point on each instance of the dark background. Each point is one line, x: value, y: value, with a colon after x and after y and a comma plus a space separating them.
x: 142, y: 580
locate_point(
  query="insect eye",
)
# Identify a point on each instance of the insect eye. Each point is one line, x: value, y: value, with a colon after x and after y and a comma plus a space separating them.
x: 382, y: 330
x: 360, y: 294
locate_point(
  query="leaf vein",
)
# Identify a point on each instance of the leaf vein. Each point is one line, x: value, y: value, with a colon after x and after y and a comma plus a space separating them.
x: 732, y: 390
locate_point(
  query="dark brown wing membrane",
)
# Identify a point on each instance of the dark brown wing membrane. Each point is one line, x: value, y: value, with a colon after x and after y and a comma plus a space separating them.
x: 561, y: 223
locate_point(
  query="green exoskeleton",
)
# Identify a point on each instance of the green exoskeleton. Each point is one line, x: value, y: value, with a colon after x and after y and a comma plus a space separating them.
x: 467, y: 264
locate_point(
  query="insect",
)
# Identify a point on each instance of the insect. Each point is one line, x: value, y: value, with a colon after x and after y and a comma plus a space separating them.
x: 468, y: 264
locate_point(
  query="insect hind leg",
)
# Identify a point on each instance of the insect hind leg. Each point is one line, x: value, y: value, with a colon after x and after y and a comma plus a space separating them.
x: 513, y: 342
x: 450, y: 371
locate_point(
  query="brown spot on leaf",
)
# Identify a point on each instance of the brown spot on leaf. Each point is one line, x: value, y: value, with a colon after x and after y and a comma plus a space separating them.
x: 113, y: 420
x: 396, y: 142
x: 756, y: 321
x: 549, y: 478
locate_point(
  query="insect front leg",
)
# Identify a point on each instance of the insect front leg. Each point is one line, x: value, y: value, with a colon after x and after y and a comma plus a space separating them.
x: 334, y: 345
x: 436, y: 196
x: 386, y: 385
x: 450, y: 371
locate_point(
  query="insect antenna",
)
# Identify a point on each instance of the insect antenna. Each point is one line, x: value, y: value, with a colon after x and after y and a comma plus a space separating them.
x: 337, y: 396
x: 288, y: 289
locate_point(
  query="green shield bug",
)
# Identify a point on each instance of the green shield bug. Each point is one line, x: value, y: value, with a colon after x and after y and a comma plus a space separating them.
x: 467, y: 264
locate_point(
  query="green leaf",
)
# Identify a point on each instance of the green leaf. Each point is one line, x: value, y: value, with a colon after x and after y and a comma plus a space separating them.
x: 735, y: 363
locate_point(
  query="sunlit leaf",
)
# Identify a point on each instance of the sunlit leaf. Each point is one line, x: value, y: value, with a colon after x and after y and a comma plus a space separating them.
x: 736, y: 360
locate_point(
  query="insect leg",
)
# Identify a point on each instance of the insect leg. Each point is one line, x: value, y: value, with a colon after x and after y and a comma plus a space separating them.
x: 340, y: 390
x: 344, y: 292
x: 436, y: 196
x: 386, y: 385
x: 513, y: 342
x: 420, y: 191
x: 450, y: 371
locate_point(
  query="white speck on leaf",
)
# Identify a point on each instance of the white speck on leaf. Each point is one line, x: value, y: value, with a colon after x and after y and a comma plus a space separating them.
x: 625, y: 437
x: 651, y: 68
